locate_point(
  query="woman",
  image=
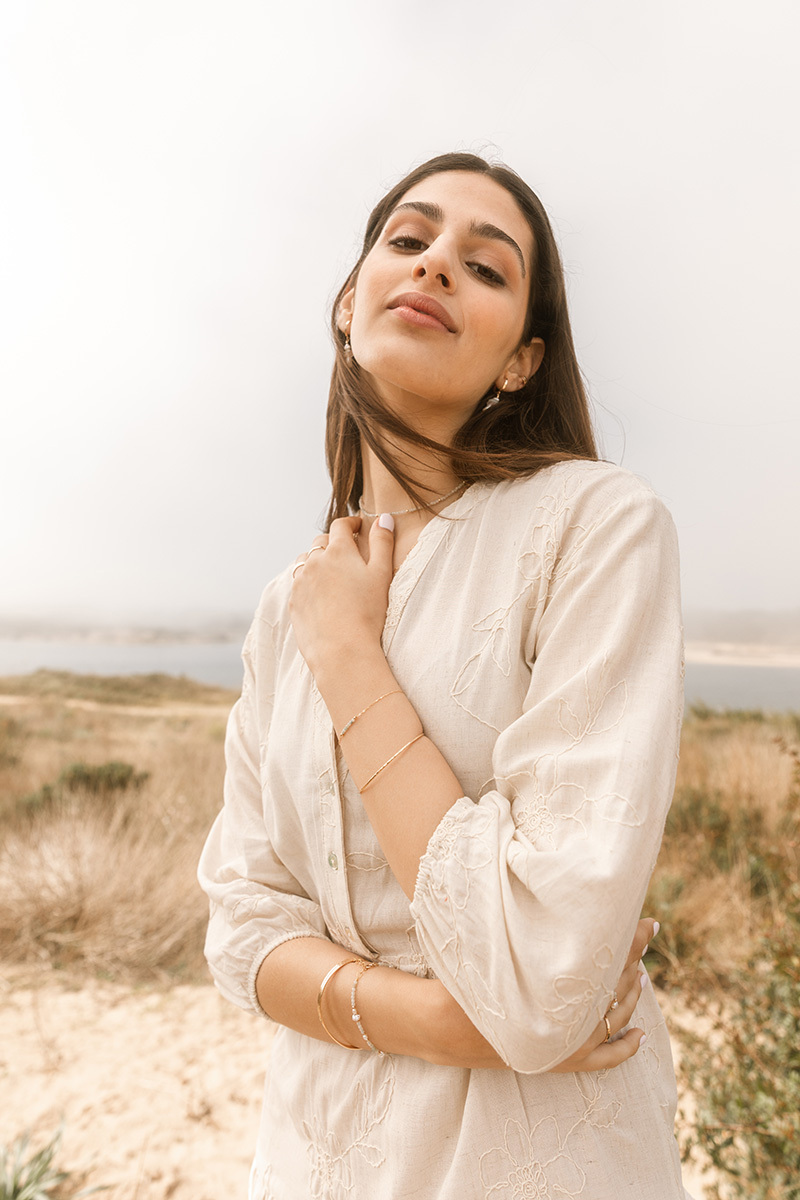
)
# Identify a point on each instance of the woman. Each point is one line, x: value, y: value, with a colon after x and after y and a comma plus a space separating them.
x: 448, y: 773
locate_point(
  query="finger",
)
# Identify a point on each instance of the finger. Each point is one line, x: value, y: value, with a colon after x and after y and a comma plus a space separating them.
x: 611, y: 1054
x: 619, y: 1017
x: 381, y: 544
x: 644, y: 932
x: 342, y: 530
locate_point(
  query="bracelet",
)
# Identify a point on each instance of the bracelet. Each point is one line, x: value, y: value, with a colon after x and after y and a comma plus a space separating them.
x: 344, y: 963
x: 356, y: 1015
x: 397, y: 754
x: 353, y: 720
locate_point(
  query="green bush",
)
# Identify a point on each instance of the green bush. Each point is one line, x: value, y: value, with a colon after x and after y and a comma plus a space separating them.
x: 101, y: 780
x: 745, y: 1074
x: 35, y: 1177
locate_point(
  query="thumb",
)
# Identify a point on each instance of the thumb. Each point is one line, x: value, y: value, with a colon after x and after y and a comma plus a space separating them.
x: 381, y: 542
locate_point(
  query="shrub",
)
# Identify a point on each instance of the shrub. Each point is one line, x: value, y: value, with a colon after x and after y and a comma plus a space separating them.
x: 746, y: 1074
x: 35, y: 1177
x: 102, y: 780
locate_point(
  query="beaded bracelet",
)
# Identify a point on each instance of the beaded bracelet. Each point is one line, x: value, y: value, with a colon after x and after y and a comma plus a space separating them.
x: 353, y: 720
x: 356, y: 1015
x: 344, y: 963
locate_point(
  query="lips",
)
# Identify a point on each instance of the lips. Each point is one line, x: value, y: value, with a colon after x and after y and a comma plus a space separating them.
x: 427, y: 307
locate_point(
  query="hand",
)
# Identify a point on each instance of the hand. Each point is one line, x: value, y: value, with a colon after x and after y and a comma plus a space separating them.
x: 338, y: 601
x: 457, y: 1043
x: 597, y: 1054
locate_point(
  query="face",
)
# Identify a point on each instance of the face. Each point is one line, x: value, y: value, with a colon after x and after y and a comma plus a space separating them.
x: 439, y: 306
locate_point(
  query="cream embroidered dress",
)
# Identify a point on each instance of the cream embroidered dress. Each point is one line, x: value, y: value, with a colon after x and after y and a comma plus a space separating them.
x: 537, y: 633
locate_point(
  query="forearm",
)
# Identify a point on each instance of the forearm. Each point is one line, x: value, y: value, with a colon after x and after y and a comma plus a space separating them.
x: 398, y: 1010
x: 406, y: 801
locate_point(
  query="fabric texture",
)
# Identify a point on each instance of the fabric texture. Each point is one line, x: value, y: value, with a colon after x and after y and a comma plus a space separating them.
x: 535, y: 627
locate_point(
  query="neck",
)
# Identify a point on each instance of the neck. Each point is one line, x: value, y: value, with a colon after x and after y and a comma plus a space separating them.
x: 382, y: 493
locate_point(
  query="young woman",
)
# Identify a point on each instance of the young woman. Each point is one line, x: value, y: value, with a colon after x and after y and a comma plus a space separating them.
x: 449, y: 770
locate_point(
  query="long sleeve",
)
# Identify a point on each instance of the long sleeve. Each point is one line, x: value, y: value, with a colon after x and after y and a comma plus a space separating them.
x: 255, y: 901
x: 528, y: 895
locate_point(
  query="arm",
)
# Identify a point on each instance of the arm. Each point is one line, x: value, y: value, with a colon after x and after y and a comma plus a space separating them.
x: 554, y: 861
x: 267, y: 943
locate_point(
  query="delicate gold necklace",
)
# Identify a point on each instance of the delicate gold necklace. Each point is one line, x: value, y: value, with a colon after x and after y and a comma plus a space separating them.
x: 399, y: 512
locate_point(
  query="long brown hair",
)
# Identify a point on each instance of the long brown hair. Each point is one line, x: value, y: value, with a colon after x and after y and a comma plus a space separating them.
x: 548, y: 419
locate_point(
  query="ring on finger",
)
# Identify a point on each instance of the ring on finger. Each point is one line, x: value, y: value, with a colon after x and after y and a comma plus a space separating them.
x: 297, y: 567
x: 607, y: 1038
x: 311, y: 551
x: 614, y: 1003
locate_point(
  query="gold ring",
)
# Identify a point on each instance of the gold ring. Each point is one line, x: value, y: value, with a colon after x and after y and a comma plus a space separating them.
x: 297, y: 567
x: 607, y: 1038
x: 311, y: 551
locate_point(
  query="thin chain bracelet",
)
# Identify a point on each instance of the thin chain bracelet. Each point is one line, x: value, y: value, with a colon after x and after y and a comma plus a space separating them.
x: 396, y: 754
x: 356, y: 1014
x: 353, y: 720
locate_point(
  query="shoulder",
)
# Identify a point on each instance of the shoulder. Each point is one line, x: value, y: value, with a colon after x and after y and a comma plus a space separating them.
x: 578, y: 490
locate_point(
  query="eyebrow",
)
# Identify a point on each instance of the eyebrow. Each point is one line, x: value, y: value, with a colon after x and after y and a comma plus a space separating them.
x: 481, y: 229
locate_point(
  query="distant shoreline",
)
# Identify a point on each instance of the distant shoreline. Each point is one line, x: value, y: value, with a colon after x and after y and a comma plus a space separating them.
x: 742, y: 654
x: 709, y: 652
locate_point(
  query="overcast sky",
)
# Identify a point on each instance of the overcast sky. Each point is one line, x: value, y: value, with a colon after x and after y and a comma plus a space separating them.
x: 184, y: 185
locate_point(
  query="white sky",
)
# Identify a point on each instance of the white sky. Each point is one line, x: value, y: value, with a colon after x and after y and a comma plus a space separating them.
x: 183, y: 185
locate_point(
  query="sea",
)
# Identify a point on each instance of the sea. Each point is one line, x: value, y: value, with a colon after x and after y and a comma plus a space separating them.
x: 719, y: 685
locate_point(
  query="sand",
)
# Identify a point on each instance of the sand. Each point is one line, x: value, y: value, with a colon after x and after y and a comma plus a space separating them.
x: 159, y: 1090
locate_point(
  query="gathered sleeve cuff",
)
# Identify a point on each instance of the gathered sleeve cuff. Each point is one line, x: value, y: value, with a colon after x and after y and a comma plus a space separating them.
x: 255, y: 902
x: 527, y: 897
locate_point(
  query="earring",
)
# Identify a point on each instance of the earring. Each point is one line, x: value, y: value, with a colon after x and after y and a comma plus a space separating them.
x: 490, y: 403
x: 348, y: 349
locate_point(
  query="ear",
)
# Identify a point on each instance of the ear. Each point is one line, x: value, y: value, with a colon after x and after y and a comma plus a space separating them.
x: 526, y: 362
x: 345, y: 314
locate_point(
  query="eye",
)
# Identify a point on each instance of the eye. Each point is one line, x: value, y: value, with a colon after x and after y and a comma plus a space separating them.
x: 487, y: 273
x: 404, y: 241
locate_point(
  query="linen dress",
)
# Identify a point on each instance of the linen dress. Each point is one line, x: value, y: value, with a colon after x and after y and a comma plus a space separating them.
x: 535, y: 627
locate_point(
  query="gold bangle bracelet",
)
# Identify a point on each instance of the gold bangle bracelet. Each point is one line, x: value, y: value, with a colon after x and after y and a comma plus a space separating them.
x: 397, y: 754
x: 352, y: 721
x: 344, y: 963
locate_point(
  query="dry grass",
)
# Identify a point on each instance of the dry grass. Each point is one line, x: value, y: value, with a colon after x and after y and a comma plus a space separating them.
x: 729, y: 845
x: 104, y: 881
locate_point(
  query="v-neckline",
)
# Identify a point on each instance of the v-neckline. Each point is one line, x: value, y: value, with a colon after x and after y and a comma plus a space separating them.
x: 411, y: 568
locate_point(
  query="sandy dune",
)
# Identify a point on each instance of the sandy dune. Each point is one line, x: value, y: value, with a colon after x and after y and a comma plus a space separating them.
x: 159, y: 1091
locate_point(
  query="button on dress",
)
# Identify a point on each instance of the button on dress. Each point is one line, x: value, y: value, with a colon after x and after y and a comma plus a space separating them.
x: 535, y: 627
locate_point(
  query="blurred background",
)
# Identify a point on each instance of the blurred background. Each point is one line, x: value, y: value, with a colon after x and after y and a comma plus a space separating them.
x: 185, y: 186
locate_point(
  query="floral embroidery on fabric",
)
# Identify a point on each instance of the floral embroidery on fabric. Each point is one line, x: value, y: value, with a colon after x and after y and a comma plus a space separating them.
x: 260, y: 1186
x: 531, y: 1165
x: 331, y: 1156
x: 590, y: 1086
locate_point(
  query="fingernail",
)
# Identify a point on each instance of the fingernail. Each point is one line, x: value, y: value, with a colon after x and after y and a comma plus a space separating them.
x: 647, y: 947
x: 386, y: 521
x: 643, y: 1039
x: 644, y: 978
x: 656, y: 927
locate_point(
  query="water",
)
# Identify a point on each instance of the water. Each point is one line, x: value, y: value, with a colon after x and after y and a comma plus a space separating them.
x: 209, y: 662
x: 719, y: 685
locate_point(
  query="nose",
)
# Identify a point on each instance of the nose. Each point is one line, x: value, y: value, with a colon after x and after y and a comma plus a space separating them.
x: 434, y: 263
